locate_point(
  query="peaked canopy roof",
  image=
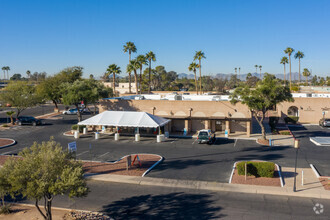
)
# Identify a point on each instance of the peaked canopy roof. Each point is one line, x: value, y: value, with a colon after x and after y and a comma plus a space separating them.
x: 126, y: 119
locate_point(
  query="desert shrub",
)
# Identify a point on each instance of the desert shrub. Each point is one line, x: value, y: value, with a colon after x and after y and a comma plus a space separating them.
x: 257, y: 169
x: 5, y: 209
x: 295, y: 88
x: 291, y: 119
x: 81, y: 128
x: 284, y: 132
x: 5, y: 125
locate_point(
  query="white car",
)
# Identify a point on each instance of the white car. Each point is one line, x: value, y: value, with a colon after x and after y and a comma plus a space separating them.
x: 72, y: 111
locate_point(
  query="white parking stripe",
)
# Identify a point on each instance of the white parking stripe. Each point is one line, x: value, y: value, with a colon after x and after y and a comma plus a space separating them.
x: 103, y: 154
x: 235, y: 142
x: 194, y: 141
x: 82, y: 153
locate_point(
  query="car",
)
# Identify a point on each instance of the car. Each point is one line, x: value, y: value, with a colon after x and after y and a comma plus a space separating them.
x: 28, y: 120
x: 324, y: 122
x: 71, y: 111
x: 206, y: 136
x: 74, y: 111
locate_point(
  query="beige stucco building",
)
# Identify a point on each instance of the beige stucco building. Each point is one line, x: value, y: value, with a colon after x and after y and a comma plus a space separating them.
x: 193, y: 113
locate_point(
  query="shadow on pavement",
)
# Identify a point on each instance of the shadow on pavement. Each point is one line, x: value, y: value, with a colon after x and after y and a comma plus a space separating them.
x: 166, y: 206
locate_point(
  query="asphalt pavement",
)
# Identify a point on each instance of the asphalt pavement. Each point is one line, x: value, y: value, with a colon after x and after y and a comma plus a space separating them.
x: 184, y: 158
x: 311, y: 153
x: 129, y: 201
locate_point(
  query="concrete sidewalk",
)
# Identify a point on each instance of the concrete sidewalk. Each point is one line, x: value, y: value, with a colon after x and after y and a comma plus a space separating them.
x: 311, y: 189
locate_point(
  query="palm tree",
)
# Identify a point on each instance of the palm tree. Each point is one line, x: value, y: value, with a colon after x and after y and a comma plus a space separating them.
x: 129, y: 47
x: 299, y: 55
x: 113, y: 69
x: 8, y: 68
x: 256, y: 66
x: 289, y: 51
x: 28, y: 73
x: 134, y: 65
x: 192, y: 67
x: 143, y: 61
x: 260, y: 71
x: 10, y: 114
x: 236, y: 70
x: 306, y: 74
x: 284, y: 61
x: 4, y: 72
x: 239, y: 71
x: 199, y: 55
x: 150, y: 57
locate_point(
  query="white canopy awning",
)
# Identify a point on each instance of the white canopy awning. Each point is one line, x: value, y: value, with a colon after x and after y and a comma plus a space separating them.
x: 126, y: 119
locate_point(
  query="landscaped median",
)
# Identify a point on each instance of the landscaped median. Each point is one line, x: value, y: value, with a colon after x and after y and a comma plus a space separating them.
x: 140, y: 165
x: 256, y: 173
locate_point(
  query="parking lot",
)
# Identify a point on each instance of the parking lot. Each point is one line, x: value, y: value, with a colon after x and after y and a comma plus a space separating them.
x: 184, y: 158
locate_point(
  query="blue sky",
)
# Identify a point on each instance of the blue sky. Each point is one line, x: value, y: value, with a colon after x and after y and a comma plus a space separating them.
x: 51, y: 35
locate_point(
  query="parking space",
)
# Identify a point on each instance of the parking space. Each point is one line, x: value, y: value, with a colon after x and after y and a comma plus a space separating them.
x: 184, y: 158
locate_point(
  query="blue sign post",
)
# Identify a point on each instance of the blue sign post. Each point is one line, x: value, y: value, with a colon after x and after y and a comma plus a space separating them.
x: 72, y: 147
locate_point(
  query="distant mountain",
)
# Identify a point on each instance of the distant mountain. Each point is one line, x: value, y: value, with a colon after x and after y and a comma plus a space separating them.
x: 185, y: 75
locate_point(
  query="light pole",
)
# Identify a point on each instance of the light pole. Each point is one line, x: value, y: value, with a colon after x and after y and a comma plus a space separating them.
x: 296, y: 146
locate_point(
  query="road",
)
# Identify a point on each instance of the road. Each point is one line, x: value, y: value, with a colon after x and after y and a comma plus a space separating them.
x: 126, y: 201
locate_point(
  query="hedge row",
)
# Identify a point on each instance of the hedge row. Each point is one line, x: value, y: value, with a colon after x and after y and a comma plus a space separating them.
x: 291, y: 119
x: 257, y: 169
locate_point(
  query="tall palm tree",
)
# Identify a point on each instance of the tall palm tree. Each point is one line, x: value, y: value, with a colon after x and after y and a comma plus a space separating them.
x: 192, y: 67
x: 130, y: 48
x: 256, y: 66
x: 284, y: 61
x: 8, y: 68
x: 143, y: 61
x: 134, y: 65
x: 239, y: 71
x: 4, y: 72
x: 199, y: 55
x: 150, y: 57
x: 306, y: 74
x: 28, y: 73
x: 299, y: 55
x: 260, y: 71
x: 236, y: 70
x: 289, y: 51
x: 113, y: 69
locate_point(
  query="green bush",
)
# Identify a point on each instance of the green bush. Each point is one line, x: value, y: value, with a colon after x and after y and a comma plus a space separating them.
x: 81, y: 128
x: 291, y: 119
x: 257, y: 169
x: 285, y: 132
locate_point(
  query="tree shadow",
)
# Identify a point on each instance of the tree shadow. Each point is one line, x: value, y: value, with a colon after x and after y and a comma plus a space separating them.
x: 167, y: 206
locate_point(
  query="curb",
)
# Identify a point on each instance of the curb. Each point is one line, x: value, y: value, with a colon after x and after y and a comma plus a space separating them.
x: 317, y: 143
x: 8, y: 145
x: 315, y: 170
x: 155, y: 164
x: 232, y: 172
x: 145, y: 173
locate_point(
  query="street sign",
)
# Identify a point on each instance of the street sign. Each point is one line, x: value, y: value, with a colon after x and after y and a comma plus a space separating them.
x: 72, y: 147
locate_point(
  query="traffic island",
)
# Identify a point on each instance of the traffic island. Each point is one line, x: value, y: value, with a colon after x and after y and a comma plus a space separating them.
x: 6, y: 142
x: 259, y: 173
x: 325, y: 181
x: 129, y: 165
